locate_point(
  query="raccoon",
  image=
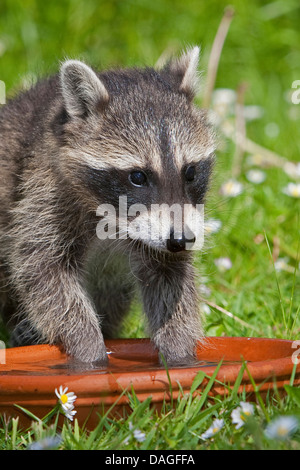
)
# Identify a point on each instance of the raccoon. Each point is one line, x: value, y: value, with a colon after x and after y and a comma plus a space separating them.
x: 78, y: 140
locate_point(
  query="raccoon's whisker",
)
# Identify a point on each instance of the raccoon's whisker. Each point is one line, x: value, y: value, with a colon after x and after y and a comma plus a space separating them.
x: 132, y: 247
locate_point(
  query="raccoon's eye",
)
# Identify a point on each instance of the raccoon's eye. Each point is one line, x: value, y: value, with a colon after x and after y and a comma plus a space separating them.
x: 138, y: 178
x: 190, y: 173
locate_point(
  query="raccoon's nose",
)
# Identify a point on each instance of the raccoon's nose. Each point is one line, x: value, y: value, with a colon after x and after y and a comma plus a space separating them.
x: 179, y: 244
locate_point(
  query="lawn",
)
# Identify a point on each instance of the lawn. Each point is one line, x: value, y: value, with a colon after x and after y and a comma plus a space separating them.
x: 250, y: 262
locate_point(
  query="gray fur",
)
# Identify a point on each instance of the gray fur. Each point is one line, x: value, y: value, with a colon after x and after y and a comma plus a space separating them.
x: 68, y: 145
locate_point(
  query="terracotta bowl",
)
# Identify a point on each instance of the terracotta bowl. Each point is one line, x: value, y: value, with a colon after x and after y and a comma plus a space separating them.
x: 32, y: 373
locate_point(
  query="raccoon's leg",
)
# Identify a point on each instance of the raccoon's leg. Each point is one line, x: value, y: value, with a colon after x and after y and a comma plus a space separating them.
x: 45, y: 252
x: 24, y: 333
x: 7, y: 307
x: 111, y: 287
x: 52, y: 298
x: 112, y: 304
x: 171, y: 305
x: 59, y: 310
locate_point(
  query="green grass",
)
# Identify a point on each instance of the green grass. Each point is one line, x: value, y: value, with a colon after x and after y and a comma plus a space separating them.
x: 262, y: 49
x: 179, y: 427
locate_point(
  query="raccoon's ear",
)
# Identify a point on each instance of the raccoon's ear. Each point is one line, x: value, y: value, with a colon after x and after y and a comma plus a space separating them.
x: 182, y: 72
x: 83, y: 92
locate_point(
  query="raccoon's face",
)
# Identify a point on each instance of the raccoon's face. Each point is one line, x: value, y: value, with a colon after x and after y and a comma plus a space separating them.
x: 141, y: 151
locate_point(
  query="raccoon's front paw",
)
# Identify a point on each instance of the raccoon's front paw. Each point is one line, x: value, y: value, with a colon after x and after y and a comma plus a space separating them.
x: 176, y: 355
x: 177, y: 361
x: 89, y: 348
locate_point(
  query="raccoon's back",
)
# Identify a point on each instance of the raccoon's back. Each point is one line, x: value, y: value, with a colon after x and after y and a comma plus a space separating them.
x: 22, y: 126
x: 22, y: 119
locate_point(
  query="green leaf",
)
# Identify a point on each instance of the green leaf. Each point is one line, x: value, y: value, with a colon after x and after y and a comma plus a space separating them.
x: 197, y: 381
x: 28, y: 413
x: 294, y: 393
x: 209, y: 385
x: 238, y: 381
x: 194, y: 423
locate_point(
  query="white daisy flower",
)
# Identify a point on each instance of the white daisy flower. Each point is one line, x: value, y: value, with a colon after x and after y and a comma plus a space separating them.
x: 223, y: 263
x: 256, y: 176
x: 205, y: 308
x: 281, y: 264
x: 212, y: 225
x: 231, y: 188
x: 137, y: 433
x: 223, y: 101
x: 282, y: 428
x: 47, y: 443
x: 204, y: 290
x: 224, y: 95
x: 240, y: 414
x: 65, y: 399
x: 252, y: 112
x: 292, y: 169
x: 70, y: 414
x: 216, y: 426
x: 292, y: 189
x: 256, y: 159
